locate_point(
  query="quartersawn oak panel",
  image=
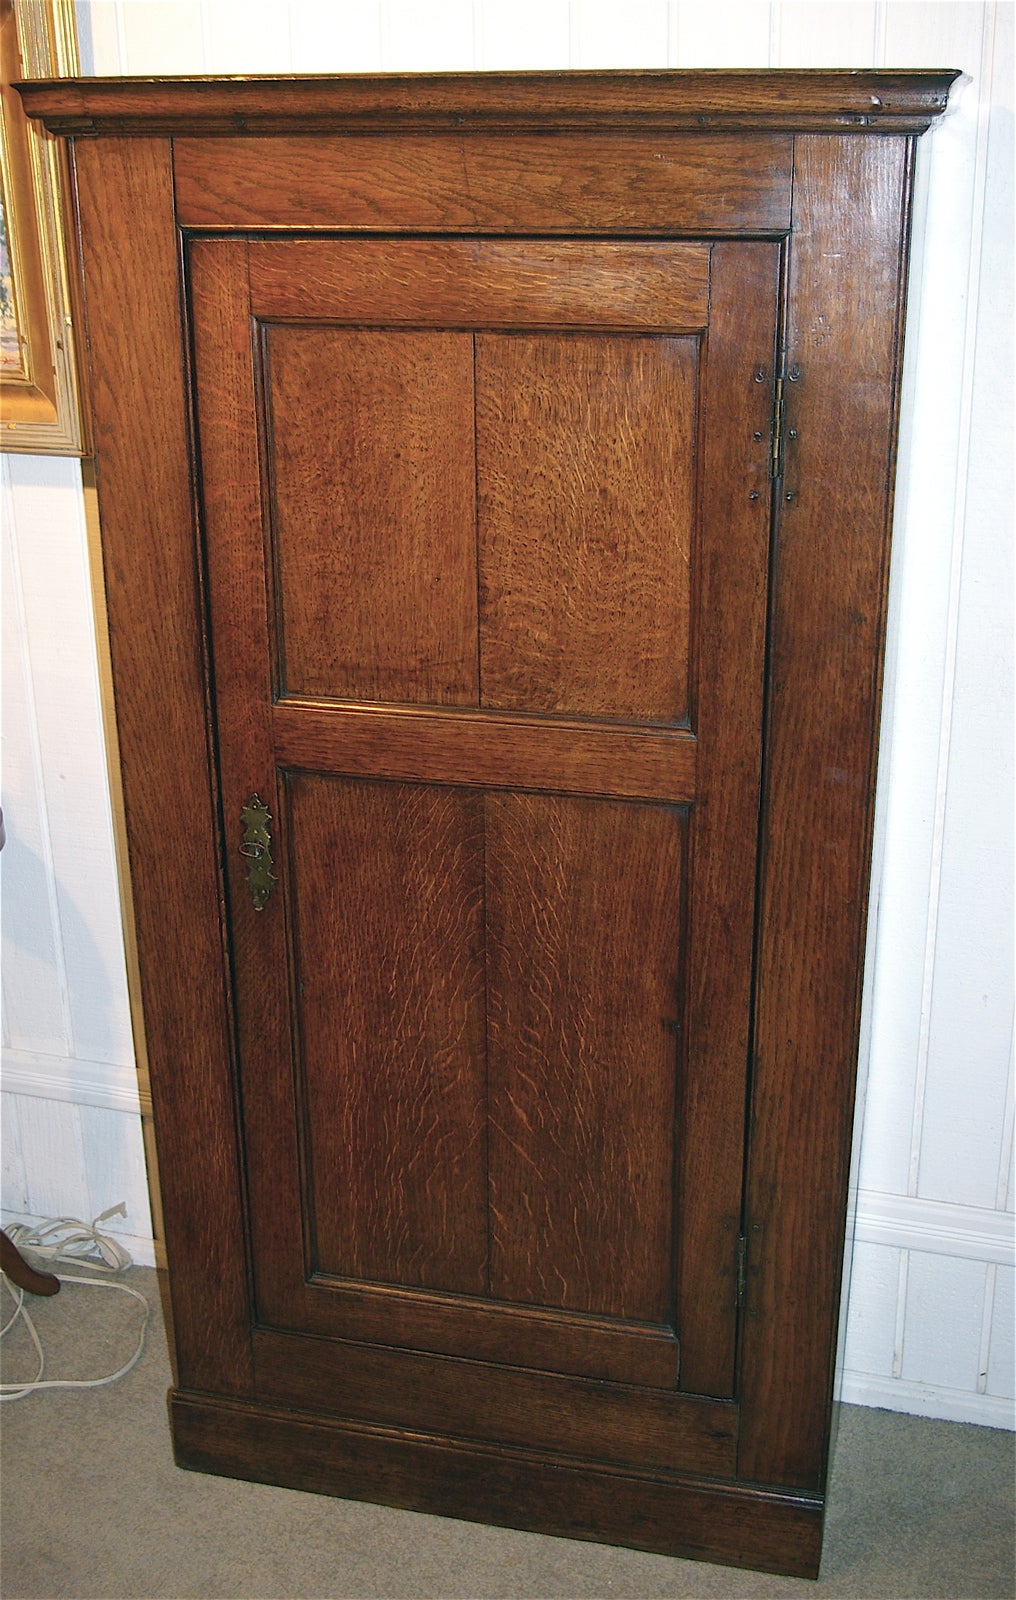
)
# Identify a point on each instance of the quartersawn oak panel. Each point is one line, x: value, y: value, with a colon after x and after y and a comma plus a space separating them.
x: 634, y: 183
x: 583, y: 920
x: 586, y: 485
x: 370, y: 435
x: 518, y: 283
x: 387, y: 898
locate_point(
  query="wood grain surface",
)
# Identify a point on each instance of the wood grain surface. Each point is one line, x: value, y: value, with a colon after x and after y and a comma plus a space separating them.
x: 440, y: 183
x: 585, y: 481
x: 904, y: 101
x: 519, y: 283
x: 387, y: 882
x: 595, y: 1417
x: 487, y: 750
x: 741, y: 1525
x: 370, y: 434
x: 730, y: 588
x: 460, y: 552
x: 583, y: 920
x: 138, y: 397
x: 844, y: 329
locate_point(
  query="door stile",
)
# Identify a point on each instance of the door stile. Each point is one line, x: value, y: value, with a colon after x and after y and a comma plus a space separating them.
x: 729, y: 628
x: 238, y: 606
x: 844, y: 334
x: 152, y: 593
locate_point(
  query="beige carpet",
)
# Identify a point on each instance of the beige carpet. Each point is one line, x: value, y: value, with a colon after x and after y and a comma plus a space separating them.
x: 94, y: 1507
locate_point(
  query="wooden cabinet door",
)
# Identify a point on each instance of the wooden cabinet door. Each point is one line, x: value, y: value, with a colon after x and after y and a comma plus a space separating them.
x: 486, y: 529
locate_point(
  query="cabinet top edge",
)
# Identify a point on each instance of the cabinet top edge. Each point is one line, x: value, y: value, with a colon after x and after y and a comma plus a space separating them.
x: 856, y: 101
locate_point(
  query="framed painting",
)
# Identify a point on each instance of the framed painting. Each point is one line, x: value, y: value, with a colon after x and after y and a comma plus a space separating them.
x: 40, y: 411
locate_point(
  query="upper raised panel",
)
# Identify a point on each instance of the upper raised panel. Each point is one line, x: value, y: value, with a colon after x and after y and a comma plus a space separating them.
x: 625, y: 183
x: 371, y: 469
x: 586, y: 484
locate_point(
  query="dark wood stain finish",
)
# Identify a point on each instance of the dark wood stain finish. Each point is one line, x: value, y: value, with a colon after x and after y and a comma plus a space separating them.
x: 463, y: 554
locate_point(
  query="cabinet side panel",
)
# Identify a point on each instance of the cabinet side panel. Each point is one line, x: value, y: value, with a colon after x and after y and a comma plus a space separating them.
x: 152, y: 588
x: 844, y: 327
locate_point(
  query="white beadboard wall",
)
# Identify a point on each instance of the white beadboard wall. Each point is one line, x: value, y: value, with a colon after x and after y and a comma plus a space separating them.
x: 929, y: 1324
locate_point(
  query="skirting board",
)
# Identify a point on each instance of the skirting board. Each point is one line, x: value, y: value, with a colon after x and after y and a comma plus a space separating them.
x: 926, y: 1400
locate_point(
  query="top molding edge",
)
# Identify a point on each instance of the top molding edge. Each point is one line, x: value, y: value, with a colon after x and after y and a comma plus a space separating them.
x: 489, y: 102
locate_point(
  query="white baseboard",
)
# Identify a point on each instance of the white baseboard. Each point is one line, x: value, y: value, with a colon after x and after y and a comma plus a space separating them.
x: 927, y: 1400
x: 110, y: 1084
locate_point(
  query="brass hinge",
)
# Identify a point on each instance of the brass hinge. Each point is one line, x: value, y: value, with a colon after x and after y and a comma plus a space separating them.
x: 741, y: 1270
x: 779, y: 415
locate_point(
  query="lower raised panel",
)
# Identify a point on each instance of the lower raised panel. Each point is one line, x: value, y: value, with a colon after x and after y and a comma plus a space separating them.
x: 742, y: 1526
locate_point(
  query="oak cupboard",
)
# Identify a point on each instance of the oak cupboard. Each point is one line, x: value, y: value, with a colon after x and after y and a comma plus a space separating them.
x: 495, y: 476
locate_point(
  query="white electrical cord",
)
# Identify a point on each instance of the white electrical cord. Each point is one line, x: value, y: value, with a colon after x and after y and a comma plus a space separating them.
x: 65, y: 1239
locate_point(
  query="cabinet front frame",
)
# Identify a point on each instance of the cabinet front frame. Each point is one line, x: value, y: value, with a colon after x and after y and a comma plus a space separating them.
x: 846, y: 200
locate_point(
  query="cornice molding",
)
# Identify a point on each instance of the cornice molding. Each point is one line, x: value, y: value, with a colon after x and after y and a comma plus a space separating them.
x: 605, y: 102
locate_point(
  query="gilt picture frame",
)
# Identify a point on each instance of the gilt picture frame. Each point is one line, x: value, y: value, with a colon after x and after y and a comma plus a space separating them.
x: 40, y: 374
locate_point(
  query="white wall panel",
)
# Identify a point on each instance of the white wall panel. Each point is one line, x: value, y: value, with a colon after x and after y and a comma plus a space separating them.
x: 604, y: 34
x: 115, y: 1171
x: 871, y: 1320
x: 838, y: 33
x: 968, y: 1054
x: 421, y: 38
x: 726, y: 33
x: 12, y: 1167
x: 931, y: 1294
x: 928, y: 537
x: 252, y: 35
x: 530, y: 36
x: 53, y: 1156
x: 66, y: 868
x: 945, y: 1302
x: 157, y: 37
x: 998, y: 1376
x: 34, y: 986
x: 339, y: 38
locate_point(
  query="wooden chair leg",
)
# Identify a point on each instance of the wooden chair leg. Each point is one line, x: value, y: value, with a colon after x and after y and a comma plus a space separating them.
x: 17, y: 1269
